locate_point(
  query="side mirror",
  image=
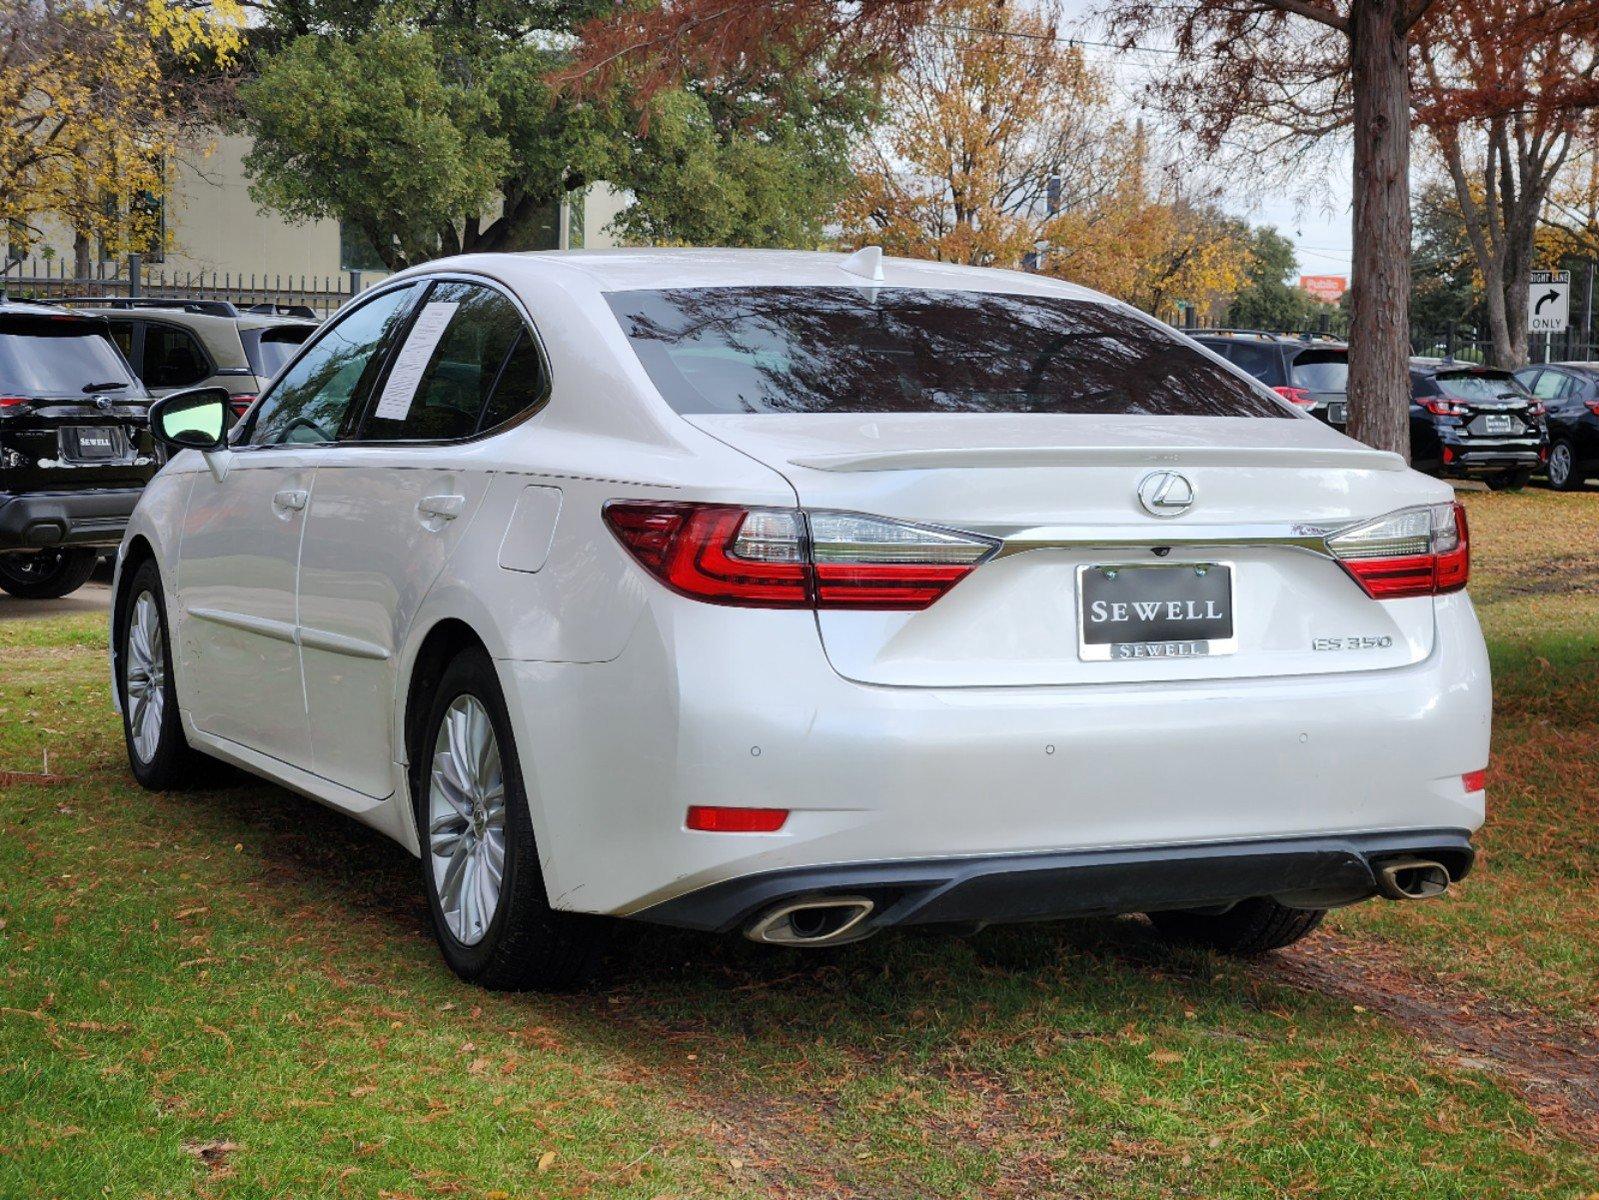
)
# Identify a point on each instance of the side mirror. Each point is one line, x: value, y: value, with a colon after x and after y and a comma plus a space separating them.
x: 193, y: 420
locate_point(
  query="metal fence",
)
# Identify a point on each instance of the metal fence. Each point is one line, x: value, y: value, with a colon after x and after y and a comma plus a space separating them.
x: 131, y: 278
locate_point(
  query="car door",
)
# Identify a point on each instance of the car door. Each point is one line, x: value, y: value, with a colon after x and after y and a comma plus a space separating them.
x: 239, y: 553
x: 390, y: 505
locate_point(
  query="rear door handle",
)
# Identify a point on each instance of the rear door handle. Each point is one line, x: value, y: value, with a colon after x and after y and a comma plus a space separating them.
x: 442, y: 508
x: 292, y: 499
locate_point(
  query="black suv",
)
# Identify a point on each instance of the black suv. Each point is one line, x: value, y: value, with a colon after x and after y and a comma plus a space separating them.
x: 1311, y: 370
x: 1476, y: 422
x: 1570, y: 391
x: 75, y: 449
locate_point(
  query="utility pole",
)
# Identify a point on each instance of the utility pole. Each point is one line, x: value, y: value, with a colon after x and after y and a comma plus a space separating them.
x: 1587, y: 317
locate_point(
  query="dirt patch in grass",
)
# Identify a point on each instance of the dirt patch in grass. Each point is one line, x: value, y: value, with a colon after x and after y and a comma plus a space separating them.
x: 1553, y: 1065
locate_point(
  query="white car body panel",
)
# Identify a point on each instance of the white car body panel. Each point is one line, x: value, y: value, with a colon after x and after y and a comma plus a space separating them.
x: 971, y: 728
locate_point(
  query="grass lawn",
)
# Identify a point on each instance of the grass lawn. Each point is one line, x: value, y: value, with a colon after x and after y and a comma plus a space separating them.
x: 232, y: 994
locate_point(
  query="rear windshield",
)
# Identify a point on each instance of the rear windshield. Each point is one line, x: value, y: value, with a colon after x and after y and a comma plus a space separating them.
x: 1479, y: 385
x: 905, y: 350
x: 59, y: 357
x: 269, y: 349
x: 1322, y: 371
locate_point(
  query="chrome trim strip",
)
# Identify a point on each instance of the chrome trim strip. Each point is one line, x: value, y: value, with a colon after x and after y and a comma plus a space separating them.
x: 338, y: 643
x: 1064, y: 537
x: 278, y: 631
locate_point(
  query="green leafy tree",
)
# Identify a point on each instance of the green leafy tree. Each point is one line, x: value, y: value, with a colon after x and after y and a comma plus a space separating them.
x: 438, y: 130
x: 1268, y: 300
x: 1445, y: 287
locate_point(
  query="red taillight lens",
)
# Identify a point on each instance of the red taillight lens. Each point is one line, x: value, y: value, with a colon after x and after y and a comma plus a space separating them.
x: 1295, y: 395
x: 1440, y: 407
x: 1413, y: 552
x: 12, y: 401
x: 240, y: 403
x: 1592, y: 406
x: 710, y: 818
x: 791, y: 558
x: 1475, y: 781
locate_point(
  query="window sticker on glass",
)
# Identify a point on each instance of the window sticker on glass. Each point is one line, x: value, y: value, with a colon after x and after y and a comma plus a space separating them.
x: 395, y: 402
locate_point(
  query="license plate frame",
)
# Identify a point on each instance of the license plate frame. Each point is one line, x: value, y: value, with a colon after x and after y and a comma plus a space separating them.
x: 70, y: 441
x: 1217, y: 642
x: 1338, y: 412
x: 1501, y: 424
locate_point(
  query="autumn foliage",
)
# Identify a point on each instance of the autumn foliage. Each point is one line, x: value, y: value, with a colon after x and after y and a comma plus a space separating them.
x: 94, y: 99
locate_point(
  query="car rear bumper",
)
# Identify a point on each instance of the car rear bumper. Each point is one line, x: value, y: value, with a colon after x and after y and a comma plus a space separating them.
x: 1319, y: 872
x: 1469, y: 457
x: 90, y: 517
x: 703, y: 710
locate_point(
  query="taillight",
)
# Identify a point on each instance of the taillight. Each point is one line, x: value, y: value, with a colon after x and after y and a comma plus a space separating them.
x: 240, y: 403
x: 1537, y: 409
x: 1439, y: 407
x: 1592, y: 406
x: 12, y: 401
x: 1413, y: 552
x: 1296, y: 395
x: 794, y: 558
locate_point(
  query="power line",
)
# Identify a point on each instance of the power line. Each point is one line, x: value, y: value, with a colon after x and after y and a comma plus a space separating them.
x: 1054, y: 37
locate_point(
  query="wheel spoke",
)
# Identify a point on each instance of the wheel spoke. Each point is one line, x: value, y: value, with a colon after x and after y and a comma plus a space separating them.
x: 466, y: 818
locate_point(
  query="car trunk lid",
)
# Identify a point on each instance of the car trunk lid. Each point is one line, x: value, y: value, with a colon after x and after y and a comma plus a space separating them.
x: 1061, y: 493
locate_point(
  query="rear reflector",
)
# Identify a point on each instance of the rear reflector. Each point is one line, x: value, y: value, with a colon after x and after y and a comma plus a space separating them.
x: 793, y: 558
x: 1475, y: 781
x: 1412, y: 552
x: 716, y: 819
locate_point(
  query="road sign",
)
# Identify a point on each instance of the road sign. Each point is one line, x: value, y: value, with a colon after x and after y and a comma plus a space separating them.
x: 1549, y: 302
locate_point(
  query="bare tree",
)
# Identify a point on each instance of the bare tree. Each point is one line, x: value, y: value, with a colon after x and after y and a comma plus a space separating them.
x: 1505, y: 88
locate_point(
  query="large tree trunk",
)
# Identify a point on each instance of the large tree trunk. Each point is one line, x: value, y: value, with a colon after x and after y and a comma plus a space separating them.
x: 1379, y: 339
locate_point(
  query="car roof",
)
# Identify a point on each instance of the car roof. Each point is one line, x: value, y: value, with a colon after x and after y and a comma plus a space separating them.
x: 1435, y: 366
x: 1308, y: 340
x: 23, y: 308
x: 653, y: 269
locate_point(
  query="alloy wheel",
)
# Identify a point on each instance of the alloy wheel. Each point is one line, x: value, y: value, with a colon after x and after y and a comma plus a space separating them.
x: 146, y: 677
x: 466, y: 819
x: 1559, y: 465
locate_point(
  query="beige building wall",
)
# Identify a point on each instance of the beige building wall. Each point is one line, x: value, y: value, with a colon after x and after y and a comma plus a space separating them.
x: 213, y: 225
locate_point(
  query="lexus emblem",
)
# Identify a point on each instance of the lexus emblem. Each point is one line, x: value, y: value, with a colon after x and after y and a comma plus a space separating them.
x: 1165, y: 494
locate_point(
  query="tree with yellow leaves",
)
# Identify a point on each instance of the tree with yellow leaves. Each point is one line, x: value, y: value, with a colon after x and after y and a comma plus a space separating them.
x: 95, y: 98
x: 999, y: 147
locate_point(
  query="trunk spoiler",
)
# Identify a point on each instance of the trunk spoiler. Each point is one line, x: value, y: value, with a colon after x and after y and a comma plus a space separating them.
x: 1356, y: 458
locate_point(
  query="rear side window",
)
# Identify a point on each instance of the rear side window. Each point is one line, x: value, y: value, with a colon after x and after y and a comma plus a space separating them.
x: 269, y: 350
x: 172, y: 358
x: 1552, y: 385
x: 909, y: 350
x: 1322, y: 371
x: 59, y: 357
x: 446, y: 376
x: 1264, y: 362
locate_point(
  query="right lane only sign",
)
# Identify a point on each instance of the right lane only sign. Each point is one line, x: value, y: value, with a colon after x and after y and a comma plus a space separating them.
x: 1549, y: 302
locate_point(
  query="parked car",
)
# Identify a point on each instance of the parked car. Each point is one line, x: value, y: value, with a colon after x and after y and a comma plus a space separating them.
x: 177, y: 344
x: 1474, y: 422
x: 807, y: 596
x: 74, y: 448
x: 1570, y: 392
x: 1310, y: 370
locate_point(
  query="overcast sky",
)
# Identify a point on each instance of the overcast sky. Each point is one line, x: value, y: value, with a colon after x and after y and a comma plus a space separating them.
x: 1316, y: 216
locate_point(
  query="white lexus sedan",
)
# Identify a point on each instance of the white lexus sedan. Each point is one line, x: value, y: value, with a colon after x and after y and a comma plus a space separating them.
x: 805, y: 596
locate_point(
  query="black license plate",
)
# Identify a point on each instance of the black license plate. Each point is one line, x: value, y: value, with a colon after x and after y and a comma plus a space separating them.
x: 93, y: 444
x: 1338, y: 414
x: 1180, y: 610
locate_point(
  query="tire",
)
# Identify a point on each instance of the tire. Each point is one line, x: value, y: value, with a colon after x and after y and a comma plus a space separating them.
x: 46, y: 574
x: 520, y: 942
x: 158, y: 753
x: 1564, y: 474
x: 1508, y: 481
x: 1248, y: 928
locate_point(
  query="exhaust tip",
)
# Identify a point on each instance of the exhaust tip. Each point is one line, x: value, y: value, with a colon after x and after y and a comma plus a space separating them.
x: 814, y: 921
x: 1412, y: 879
